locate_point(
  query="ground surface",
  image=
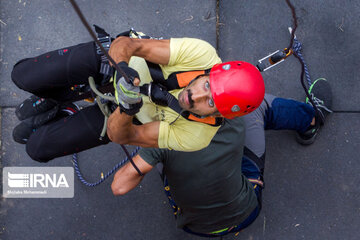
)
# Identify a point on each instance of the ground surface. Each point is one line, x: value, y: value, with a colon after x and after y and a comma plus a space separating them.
x: 311, y: 192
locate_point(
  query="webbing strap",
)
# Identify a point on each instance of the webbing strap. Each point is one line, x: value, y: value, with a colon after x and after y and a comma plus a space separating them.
x: 156, y: 73
x: 104, y: 38
x: 178, y: 80
x: 173, y: 103
x: 184, y: 78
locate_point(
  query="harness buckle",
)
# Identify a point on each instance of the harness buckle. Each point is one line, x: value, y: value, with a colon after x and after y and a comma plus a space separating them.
x: 105, y: 42
x: 105, y: 67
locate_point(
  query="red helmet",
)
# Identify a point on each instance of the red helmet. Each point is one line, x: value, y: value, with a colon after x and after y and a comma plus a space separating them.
x: 237, y: 88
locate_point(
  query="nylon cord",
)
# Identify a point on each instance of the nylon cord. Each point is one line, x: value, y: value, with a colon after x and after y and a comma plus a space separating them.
x: 92, y: 34
x: 301, y: 60
x: 293, y: 13
x: 108, y: 174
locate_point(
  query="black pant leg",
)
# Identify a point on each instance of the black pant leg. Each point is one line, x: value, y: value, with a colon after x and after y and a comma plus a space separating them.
x: 51, y: 75
x: 67, y: 135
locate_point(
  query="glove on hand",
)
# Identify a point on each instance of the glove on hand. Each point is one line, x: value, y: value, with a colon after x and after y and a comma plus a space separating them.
x: 127, y: 95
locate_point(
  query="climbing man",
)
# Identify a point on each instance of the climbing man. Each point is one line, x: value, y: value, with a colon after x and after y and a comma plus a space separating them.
x: 183, y: 118
x: 217, y: 190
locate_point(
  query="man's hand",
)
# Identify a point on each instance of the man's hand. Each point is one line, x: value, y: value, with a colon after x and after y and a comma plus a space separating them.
x: 127, y: 95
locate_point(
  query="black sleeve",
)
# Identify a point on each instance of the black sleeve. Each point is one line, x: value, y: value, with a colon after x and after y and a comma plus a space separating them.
x: 153, y: 155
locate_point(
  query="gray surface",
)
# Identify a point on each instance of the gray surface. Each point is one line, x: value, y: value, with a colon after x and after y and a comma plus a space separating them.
x: 311, y: 192
x: 328, y: 31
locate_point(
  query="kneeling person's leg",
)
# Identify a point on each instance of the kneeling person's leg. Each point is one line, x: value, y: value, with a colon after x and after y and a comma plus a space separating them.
x: 287, y: 114
x: 67, y: 135
x: 273, y: 113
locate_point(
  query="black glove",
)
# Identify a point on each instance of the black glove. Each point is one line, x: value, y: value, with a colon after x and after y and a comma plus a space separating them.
x: 130, y: 72
x: 126, y: 94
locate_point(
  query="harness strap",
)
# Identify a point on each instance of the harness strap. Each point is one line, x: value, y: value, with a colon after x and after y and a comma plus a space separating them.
x: 156, y: 73
x: 178, y: 80
x: 175, y: 80
x: 173, y: 103
x: 105, y: 40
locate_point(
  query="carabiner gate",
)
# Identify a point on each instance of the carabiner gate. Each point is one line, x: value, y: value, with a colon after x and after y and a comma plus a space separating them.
x: 274, y: 59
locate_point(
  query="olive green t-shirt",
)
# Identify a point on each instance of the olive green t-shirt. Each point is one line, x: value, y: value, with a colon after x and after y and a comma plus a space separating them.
x: 208, y: 185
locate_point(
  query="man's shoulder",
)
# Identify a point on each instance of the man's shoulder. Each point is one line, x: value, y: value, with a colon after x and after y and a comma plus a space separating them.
x: 185, y: 135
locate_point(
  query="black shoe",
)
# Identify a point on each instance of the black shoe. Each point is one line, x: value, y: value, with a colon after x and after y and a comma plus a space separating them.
x: 307, y: 137
x: 320, y: 92
x: 33, y: 106
x: 22, y: 132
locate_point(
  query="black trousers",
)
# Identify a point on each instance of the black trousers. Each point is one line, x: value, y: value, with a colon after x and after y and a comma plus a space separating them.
x: 51, y: 75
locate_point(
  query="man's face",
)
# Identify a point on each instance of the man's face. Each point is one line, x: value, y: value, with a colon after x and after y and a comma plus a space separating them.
x: 197, y: 98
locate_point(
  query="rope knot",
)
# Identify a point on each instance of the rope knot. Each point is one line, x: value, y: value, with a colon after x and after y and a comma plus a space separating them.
x: 297, y: 46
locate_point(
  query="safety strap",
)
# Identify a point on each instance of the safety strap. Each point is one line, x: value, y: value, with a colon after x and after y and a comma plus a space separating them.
x: 105, y: 40
x: 179, y: 80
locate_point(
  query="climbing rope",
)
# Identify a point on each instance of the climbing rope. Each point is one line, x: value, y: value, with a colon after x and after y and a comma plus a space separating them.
x: 297, y: 47
x: 103, y: 178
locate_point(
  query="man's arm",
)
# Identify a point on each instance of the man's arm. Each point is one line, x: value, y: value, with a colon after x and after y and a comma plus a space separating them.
x: 121, y: 130
x: 127, y: 178
x: 156, y: 51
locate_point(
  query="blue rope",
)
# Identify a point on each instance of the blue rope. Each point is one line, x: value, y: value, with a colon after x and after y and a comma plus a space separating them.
x: 117, y: 166
x: 297, y: 47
